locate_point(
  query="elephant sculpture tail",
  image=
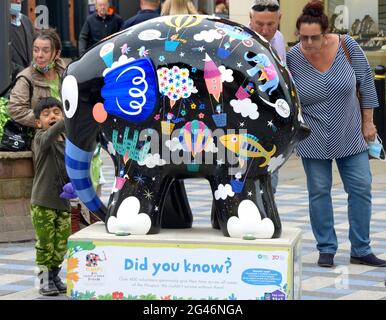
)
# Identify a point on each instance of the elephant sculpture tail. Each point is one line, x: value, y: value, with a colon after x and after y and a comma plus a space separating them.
x: 78, y: 164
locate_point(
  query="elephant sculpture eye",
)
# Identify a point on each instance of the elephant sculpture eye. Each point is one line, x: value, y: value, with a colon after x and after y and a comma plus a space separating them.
x: 70, y: 96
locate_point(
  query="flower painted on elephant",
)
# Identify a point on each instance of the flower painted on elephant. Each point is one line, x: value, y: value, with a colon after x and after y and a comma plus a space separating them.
x: 130, y: 90
x: 247, y: 146
x: 201, y: 116
x: 213, y: 78
x: 175, y: 84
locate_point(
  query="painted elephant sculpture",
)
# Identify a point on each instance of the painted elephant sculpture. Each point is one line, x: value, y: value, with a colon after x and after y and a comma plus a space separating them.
x: 175, y: 98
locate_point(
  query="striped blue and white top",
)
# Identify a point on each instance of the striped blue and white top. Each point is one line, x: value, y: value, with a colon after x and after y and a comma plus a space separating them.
x: 329, y: 102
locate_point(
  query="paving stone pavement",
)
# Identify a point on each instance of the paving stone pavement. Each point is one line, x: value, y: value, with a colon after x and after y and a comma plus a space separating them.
x: 345, y: 281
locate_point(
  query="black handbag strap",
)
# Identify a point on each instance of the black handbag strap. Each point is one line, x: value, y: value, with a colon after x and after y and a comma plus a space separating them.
x: 13, y: 83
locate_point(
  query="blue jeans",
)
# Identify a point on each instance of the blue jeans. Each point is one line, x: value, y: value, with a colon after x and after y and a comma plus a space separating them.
x: 356, y: 177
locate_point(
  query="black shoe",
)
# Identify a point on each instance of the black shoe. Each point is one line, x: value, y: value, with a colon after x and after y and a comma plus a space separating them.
x: 369, y: 260
x: 47, y: 285
x: 326, y: 260
x: 62, y: 288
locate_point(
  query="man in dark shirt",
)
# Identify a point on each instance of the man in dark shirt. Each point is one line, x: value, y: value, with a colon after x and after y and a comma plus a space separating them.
x: 98, y: 26
x: 149, y: 10
x: 21, y: 35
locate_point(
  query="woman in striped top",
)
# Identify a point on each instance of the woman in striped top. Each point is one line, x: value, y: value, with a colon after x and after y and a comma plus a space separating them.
x: 340, y: 129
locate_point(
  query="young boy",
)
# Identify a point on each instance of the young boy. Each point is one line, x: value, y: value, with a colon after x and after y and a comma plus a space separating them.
x: 50, y: 214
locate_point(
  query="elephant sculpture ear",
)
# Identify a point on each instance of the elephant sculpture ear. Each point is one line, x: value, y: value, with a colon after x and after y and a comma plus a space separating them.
x: 130, y: 90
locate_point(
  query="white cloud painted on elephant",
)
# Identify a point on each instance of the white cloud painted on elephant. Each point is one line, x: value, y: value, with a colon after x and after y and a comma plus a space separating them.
x: 249, y: 223
x: 152, y: 160
x: 226, y: 74
x: 121, y: 62
x: 223, y: 192
x: 208, y: 36
x: 173, y: 145
x: 129, y: 220
x: 211, y: 147
x: 246, y: 107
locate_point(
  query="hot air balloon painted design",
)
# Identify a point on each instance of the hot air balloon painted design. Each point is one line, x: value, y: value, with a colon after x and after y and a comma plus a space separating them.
x: 174, y: 84
x: 195, y: 137
x: 178, y: 23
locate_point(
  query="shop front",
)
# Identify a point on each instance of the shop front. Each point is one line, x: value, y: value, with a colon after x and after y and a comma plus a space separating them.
x: 366, y: 24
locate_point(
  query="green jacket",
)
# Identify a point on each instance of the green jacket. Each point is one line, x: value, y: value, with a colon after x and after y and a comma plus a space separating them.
x: 50, y: 171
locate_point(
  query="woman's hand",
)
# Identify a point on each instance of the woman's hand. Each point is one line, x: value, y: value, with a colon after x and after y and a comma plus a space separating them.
x: 368, y: 128
x: 369, y: 131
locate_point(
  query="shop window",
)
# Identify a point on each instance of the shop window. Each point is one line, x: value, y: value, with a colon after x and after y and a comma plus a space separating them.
x: 365, y: 21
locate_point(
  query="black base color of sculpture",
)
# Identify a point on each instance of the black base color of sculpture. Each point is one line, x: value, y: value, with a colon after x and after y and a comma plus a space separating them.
x: 182, y: 97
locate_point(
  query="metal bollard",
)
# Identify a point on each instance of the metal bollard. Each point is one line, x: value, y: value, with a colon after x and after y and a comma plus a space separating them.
x: 380, y: 113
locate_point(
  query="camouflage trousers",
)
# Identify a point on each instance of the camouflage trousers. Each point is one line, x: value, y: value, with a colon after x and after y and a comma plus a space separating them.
x: 52, y: 227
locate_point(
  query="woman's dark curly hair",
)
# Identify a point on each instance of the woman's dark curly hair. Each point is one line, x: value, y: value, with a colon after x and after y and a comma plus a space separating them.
x: 313, y: 12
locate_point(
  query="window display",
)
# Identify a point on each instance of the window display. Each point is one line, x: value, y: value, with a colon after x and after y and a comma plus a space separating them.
x: 365, y: 23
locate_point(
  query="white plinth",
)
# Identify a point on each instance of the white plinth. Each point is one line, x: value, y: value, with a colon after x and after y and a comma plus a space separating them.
x: 197, y: 263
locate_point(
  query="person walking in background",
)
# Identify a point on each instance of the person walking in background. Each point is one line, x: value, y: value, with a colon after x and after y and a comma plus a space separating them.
x: 341, y: 126
x: 264, y: 19
x: 50, y: 213
x: 21, y: 37
x: 149, y: 10
x: 41, y: 78
x: 221, y: 9
x: 98, y: 26
x: 172, y: 7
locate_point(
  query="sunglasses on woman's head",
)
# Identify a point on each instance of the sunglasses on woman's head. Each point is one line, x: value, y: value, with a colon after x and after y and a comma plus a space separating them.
x: 260, y: 8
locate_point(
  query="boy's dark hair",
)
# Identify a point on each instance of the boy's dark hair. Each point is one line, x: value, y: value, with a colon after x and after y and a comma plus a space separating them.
x: 45, y: 103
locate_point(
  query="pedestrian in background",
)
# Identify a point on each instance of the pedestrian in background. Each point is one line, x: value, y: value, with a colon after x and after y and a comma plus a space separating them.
x: 50, y: 214
x: 98, y: 26
x: 221, y: 9
x: 149, y: 10
x: 21, y: 37
x: 43, y: 76
x: 264, y: 18
x: 172, y: 7
x: 341, y: 126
